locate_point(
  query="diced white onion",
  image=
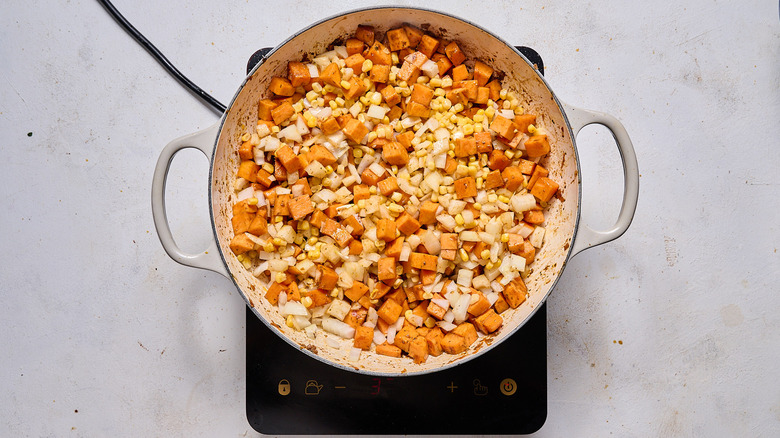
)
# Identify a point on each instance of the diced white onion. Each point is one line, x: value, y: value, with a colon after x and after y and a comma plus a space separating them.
x: 338, y: 328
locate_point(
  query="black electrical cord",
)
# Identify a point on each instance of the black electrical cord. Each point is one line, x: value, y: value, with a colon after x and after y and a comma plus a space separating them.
x: 160, y: 57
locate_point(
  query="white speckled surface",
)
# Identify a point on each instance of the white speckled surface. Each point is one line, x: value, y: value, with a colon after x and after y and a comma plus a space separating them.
x: 672, y: 330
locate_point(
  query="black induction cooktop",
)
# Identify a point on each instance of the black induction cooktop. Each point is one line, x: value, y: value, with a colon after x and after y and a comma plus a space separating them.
x: 503, y: 391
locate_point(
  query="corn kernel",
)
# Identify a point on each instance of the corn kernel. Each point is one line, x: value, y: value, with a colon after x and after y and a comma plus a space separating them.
x: 490, y: 112
x: 357, y: 153
x: 314, y: 254
x: 307, y: 301
x: 246, y: 137
x: 345, y: 85
x: 479, y: 118
x: 394, y: 58
x: 468, y: 129
x: 278, y: 218
x: 316, y: 86
x: 457, y: 108
x: 429, y: 321
x: 268, y: 246
x: 480, y: 181
x: 477, y: 206
x: 492, y: 198
x: 333, y: 104
x: 303, y: 225
x: 505, y: 238
x: 431, y: 165
x: 435, y: 82
x: 531, y: 129
x: 312, y: 241
x: 298, y: 106
x: 503, y: 199
x: 459, y: 219
x: 278, y: 241
x: 497, y: 263
x: 252, y: 201
x: 367, y: 66
x: 275, y: 129
x: 446, y: 82
x: 472, y: 171
x: 442, y: 190
x: 280, y: 277
x: 485, y: 254
x: 290, y: 321
x: 434, y: 197
x: 463, y: 255
x: 326, y: 182
x: 361, y: 204
x: 240, y: 257
x: 502, y: 93
x: 376, y: 98
x: 421, y: 153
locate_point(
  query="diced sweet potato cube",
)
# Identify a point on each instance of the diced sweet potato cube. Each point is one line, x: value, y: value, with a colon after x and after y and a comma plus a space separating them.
x: 365, y: 34
x: 407, y: 224
x: 355, y: 247
x: 450, y: 166
x: 241, y: 221
x: 393, y: 249
x: 448, y: 254
x: 379, y: 73
x: 528, y: 252
x: 495, y: 89
x: 534, y: 217
x: 386, y: 269
x: 423, y: 261
x: 494, y: 180
x: 360, y: 191
x: 418, y: 349
x: 259, y: 226
x: 408, y: 72
x: 413, y: 34
x: 322, y: 154
x: 300, y: 207
x: 354, y: 225
x: 248, y: 170
x: 539, y: 172
x: 428, y: 213
x: 515, y: 243
x: 449, y: 241
x: 264, y: 108
x: 422, y: 94
x: 298, y: 74
x: 364, y: 336
x: 537, y: 146
x: 280, y: 173
x: 389, y: 311
x: 390, y: 96
x: 355, y: 130
x: 469, y: 88
x: 482, y: 73
x: 369, y: 177
x: 454, y: 53
x: 465, y: 187
x: 355, y: 62
x: 442, y: 62
x: 500, y: 305
x: 245, y: 151
x: 395, y: 154
x: 388, y: 186
x: 241, y: 244
x: 354, y: 45
x: 526, y: 166
x: 287, y: 157
x: 272, y: 294
x: 328, y: 278
x: 282, y: 112
x: 522, y: 121
x: 433, y: 339
x: 337, y: 232
x: 357, y: 290
x: 388, y: 350
x: 457, y: 96
x: 281, y: 86
x: 503, y: 127
x: 468, y: 332
x: 404, y: 337
x: 484, y: 142
x: 380, y: 290
x: 497, y: 160
x: 397, y: 39
x: 318, y: 219
x: 480, y: 306
x: 515, y: 292
x: 460, y: 73
x: 514, y: 178
x: 452, y: 343
x: 379, y: 54
x: 385, y: 229
x: 356, y: 88
x: 465, y: 146
x: 428, y: 45
x: 436, y: 310
x: 489, y: 321
x: 331, y: 75
x: 544, y: 189
x: 282, y: 205
x: 394, y: 113
x: 483, y: 95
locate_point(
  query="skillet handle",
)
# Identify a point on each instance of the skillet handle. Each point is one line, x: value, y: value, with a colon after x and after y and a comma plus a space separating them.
x: 586, y: 236
x: 208, y: 259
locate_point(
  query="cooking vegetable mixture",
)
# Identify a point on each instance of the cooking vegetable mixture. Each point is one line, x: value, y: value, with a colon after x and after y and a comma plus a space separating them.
x: 391, y: 193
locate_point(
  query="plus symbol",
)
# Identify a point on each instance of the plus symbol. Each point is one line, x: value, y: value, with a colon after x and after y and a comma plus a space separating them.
x: 452, y: 387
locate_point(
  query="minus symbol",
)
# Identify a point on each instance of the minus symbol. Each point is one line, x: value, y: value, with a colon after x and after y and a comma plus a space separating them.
x: 341, y: 387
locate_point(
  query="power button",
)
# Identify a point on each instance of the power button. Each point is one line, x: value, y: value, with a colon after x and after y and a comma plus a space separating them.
x: 508, y: 386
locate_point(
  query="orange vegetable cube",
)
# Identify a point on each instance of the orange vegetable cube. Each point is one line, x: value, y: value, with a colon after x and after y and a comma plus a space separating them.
x: 454, y: 53
x: 397, y: 39
x: 241, y: 244
x: 395, y: 154
x: 467, y: 331
x: 480, y: 306
x: 415, y: 109
x: 544, y: 189
x: 494, y: 180
x: 355, y: 247
x: 428, y: 45
x: 354, y: 225
x: 484, y: 142
x: 453, y: 343
x: 500, y: 305
x: 318, y: 219
x: 264, y: 108
x: 515, y: 243
x: 327, y: 278
x: 379, y: 54
x: 515, y: 292
x: 465, y: 146
x: 389, y: 311
x: 482, y: 73
x: 385, y: 229
x: 460, y: 73
x: 390, y: 96
x: 503, y: 127
x: 469, y: 88
x: 388, y: 186
x: 483, y: 95
x: 298, y: 74
x: 287, y: 157
x: 526, y: 166
x: 413, y: 34
x: 281, y: 86
x: 365, y: 34
x: 379, y: 73
x: 418, y: 349
x: 539, y: 172
x: 300, y: 207
x: 514, y: 178
x: 355, y: 130
x: 450, y: 166
x: 433, y: 338
x: 528, y: 252
x: 248, y: 170
x: 442, y: 62
x: 322, y: 154
x: 534, y: 217
x: 369, y: 177
x: 489, y: 321
x: 537, y: 146
x: 273, y: 292
x: 360, y: 191
x: 423, y: 261
x: 522, y: 122
x: 428, y: 212
x: 497, y: 160
x: 465, y: 187
x: 331, y: 75
x: 354, y: 45
x: 357, y: 290
x: 409, y: 72
x: 356, y: 88
x: 386, y: 269
x: 245, y: 151
x: 421, y: 94
x: 394, y: 248
x: 495, y: 89
x: 355, y: 62
x: 364, y: 336
x: 282, y: 113
x: 388, y: 350
x: 282, y: 205
x: 259, y: 226
x: 407, y: 224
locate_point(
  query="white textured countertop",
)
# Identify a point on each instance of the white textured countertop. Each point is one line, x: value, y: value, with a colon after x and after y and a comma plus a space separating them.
x: 672, y: 330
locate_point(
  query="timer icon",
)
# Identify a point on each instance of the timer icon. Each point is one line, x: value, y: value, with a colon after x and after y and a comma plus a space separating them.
x: 508, y: 386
